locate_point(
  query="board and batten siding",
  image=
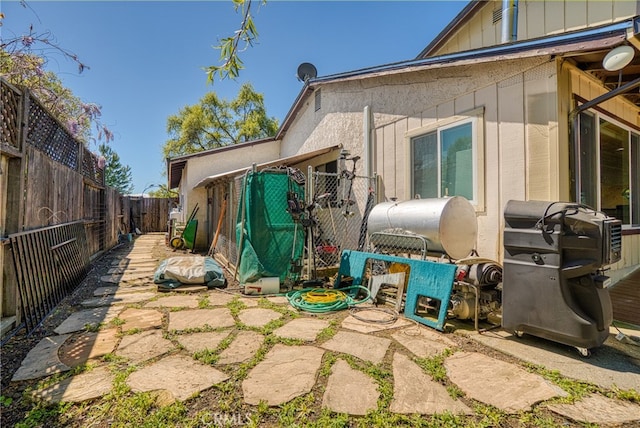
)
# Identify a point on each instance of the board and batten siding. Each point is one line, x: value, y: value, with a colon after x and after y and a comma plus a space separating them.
x: 537, y: 19
x: 519, y: 142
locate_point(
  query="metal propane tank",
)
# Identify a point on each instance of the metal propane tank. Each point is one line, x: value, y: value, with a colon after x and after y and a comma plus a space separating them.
x: 449, y: 224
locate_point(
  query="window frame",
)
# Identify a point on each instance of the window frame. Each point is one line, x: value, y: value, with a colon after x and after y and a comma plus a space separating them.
x: 597, y: 115
x: 476, y: 118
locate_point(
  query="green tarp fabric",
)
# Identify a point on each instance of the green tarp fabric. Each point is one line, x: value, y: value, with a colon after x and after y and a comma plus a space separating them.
x: 267, y: 229
x: 190, y: 270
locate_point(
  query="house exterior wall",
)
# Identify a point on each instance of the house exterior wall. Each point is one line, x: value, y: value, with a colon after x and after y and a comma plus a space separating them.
x: 537, y: 19
x: 519, y: 138
x: 201, y: 167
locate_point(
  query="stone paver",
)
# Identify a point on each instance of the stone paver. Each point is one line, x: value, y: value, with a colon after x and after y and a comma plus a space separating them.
x: 415, y: 392
x: 82, y: 347
x: 286, y: 373
x: 353, y: 323
x: 598, y: 409
x: 118, y: 299
x: 137, y: 256
x: 113, y: 289
x: 250, y: 302
x: 85, y: 386
x: 219, y: 298
x: 606, y: 367
x: 140, y: 319
x: 184, y: 289
x: 363, y: 346
x: 126, y: 277
x: 423, y: 342
x: 127, y: 263
x: 177, y: 301
x: 278, y: 300
x: 243, y: 347
x: 196, y: 342
x: 258, y: 317
x: 510, y: 388
x: 148, y: 269
x: 42, y: 360
x: 350, y: 391
x: 143, y: 346
x: 201, y: 318
x: 180, y: 375
x: 78, y: 321
x: 302, y: 329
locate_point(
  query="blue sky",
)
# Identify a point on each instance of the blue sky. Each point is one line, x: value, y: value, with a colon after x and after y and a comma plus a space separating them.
x: 146, y: 58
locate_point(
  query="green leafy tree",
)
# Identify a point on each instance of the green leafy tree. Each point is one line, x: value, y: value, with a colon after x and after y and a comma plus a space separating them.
x: 116, y: 174
x: 230, y: 47
x: 215, y: 122
x: 23, y: 60
x: 163, y: 192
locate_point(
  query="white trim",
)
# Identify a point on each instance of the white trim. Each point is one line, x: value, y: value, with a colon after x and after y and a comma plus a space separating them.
x: 476, y: 118
x: 598, y: 116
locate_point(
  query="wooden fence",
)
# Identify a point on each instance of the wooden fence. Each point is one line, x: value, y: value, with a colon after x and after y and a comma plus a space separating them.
x: 49, y: 179
x: 49, y: 263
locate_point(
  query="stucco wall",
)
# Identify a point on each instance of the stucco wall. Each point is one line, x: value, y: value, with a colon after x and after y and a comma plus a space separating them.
x: 201, y: 167
x: 520, y: 129
x: 539, y: 18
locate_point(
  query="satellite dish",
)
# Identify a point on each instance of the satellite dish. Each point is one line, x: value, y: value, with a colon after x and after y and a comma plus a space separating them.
x: 618, y: 58
x: 306, y: 71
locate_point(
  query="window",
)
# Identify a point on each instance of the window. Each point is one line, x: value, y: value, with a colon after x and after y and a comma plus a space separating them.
x: 318, y: 100
x: 608, y: 167
x: 445, y: 161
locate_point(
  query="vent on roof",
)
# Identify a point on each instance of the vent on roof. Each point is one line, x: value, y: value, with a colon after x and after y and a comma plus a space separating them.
x: 497, y: 16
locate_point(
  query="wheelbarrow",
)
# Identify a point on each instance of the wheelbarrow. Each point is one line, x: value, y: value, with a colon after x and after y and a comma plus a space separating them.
x: 187, y: 237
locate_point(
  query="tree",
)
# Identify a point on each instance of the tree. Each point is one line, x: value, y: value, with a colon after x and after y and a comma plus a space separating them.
x: 163, y: 192
x: 23, y: 60
x: 116, y: 175
x: 215, y: 122
x: 230, y: 47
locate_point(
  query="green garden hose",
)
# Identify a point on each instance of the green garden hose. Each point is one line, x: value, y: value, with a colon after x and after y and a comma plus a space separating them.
x: 321, y: 300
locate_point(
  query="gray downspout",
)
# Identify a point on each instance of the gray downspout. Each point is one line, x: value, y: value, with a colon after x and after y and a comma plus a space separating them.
x: 368, y: 141
x: 509, y: 21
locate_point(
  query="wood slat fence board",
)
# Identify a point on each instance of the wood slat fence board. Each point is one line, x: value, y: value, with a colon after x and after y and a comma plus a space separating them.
x: 49, y: 263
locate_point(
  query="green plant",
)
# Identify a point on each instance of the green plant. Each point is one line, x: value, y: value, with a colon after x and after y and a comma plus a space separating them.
x: 628, y: 395
x: 116, y: 322
x: 491, y: 416
x: 235, y: 306
x: 574, y: 388
x: 206, y: 356
x: 42, y: 414
x: 296, y: 410
x: 203, y: 302
x: 93, y: 327
x: 328, y: 332
x: 5, y: 401
x: 435, y: 365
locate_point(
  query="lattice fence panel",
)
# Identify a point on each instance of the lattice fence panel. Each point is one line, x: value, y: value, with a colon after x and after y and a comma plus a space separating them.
x: 47, y: 135
x: 10, y: 113
x: 90, y: 169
